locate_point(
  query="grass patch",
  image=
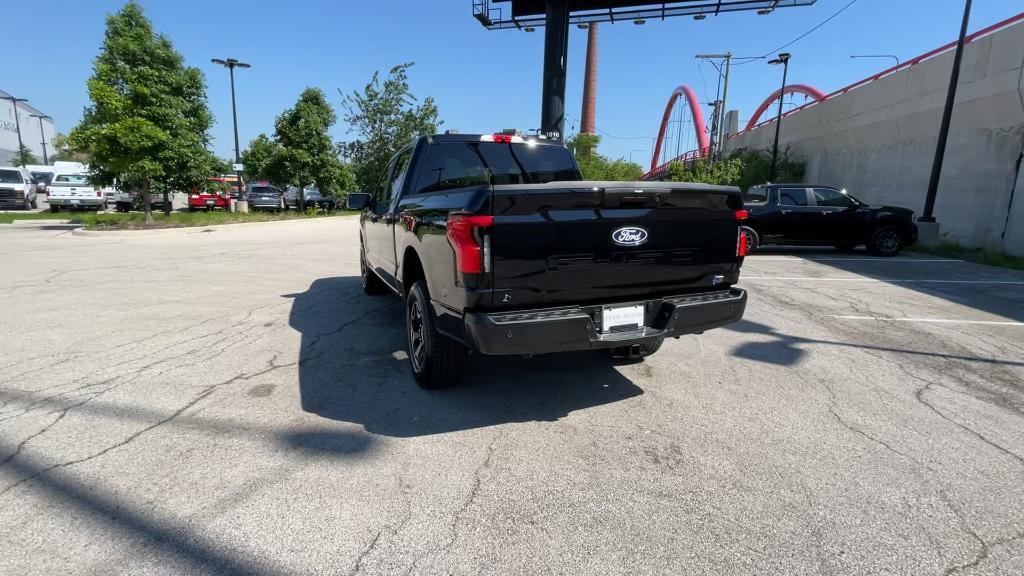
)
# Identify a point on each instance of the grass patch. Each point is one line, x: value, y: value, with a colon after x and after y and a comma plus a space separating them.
x: 950, y: 249
x: 137, y: 220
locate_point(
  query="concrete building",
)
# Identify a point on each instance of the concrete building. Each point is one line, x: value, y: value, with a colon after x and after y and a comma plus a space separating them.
x: 30, y: 126
x: 878, y: 139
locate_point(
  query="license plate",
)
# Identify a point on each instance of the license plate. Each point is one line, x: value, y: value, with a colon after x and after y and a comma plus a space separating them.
x: 622, y: 318
x: 210, y: 202
x: 73, y: 201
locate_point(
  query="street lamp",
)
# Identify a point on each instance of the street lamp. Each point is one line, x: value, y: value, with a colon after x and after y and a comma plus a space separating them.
x: 231, y: 64
x: 784, y: 60
x: 929, y: 229
x: 42, y: 137
x: 17, y: 122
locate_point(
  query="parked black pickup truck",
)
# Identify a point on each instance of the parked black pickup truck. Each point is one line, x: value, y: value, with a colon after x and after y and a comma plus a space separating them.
x: 804, y: 214
x: 498, y: 246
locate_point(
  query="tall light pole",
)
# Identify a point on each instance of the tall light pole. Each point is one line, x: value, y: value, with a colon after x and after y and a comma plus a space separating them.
x: 930, y: 233
x: 231, y: 64
x: 784, y: 60
x: 17, y: 122
x: 42, y: 137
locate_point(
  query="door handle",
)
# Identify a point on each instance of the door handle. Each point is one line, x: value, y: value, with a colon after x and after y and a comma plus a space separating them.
x: 784, y: 211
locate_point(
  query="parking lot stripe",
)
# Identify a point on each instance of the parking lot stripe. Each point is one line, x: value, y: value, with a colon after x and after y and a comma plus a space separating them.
x: 755, y: 258
x: 931, y: 320
x: 881, y: 280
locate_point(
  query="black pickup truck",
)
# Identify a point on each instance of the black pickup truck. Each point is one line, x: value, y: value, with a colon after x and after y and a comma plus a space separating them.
x: 498, y: 246
x: 807, y: 214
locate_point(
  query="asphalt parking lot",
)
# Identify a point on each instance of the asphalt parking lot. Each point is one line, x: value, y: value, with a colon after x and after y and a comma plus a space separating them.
x: 228, y: 401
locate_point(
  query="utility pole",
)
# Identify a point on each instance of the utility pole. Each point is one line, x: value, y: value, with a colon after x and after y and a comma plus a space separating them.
x: 715, y: 127
x: 42, y: 136
x: 720, y: 118
x: 556, y: 52
x: 784, y: 60
x: 931, y: 234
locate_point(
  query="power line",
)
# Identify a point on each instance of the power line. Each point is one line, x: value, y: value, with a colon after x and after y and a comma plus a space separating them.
x: 612, y: 136
x: 800, y: 37
x: 704, y: 84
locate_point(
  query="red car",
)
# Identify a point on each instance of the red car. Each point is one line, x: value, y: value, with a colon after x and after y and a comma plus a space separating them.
x: 201, y: 200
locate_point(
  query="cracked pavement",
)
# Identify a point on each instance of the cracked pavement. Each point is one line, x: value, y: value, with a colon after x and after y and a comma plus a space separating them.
x: 230, y: 402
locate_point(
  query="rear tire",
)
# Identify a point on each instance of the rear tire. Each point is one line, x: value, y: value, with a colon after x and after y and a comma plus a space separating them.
x: 753, y: 240
x: 885, y: 241
x: 35, y: 203
x: 54, y: 209
x: 372, y: 284
x: 436, y: 360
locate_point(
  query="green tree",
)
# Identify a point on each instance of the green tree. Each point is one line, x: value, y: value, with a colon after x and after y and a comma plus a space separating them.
x: 745, y: 168
x: 257, y: 157
x: 221, y: 166
x: 757, y: 166
x: 385, y: 118
x: 148, y: 120
x: 62, y: 150
x: 24, y: 156
x: 594, y: 166
x: 305, y: 153
x: 728, y: 171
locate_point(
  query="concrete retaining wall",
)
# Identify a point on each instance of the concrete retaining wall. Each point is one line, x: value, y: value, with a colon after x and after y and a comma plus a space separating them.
x: 878, y: 141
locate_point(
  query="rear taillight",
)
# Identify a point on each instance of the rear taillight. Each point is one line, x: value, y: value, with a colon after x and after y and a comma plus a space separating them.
x: 741, y: 243
x: 99, y: 194
x: 466, y: 235
x: 740, y: 215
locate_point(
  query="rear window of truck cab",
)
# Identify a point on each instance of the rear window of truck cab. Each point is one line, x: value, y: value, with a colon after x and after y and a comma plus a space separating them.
x: 450, y: 165
x: 72, y: 179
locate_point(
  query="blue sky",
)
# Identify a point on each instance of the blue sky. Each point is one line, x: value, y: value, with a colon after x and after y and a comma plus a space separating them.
x: 482, y: 80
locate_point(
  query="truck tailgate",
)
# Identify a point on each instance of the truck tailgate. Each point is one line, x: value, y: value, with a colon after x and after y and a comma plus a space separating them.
x: 588, y: 241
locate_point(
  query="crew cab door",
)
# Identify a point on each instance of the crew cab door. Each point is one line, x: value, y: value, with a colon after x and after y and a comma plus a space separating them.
x: 788, y: 221
x: 834, y: 218
x: 380, y: 222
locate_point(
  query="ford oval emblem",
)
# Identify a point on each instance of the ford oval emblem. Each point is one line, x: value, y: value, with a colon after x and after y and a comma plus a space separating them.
x: 629, y: 236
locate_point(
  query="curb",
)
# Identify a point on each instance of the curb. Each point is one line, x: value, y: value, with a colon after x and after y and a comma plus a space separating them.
x: 40, y: 221
x: 193, y: 229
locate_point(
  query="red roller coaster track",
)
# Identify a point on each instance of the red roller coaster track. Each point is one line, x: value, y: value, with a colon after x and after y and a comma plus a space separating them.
x: 804, y: 89
x: 698, y: 122
x: 816, y: 95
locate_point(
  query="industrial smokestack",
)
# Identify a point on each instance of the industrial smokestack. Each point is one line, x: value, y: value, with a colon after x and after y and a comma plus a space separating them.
x: 588, y: 122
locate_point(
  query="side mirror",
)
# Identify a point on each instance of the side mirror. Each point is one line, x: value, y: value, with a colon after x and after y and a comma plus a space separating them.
x: 357, y: 201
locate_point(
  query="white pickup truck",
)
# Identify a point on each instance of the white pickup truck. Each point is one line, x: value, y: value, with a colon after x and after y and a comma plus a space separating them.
x: 73, y: 191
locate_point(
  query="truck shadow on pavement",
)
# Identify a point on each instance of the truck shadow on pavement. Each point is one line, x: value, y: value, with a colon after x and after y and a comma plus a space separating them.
x: 353, y: 367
